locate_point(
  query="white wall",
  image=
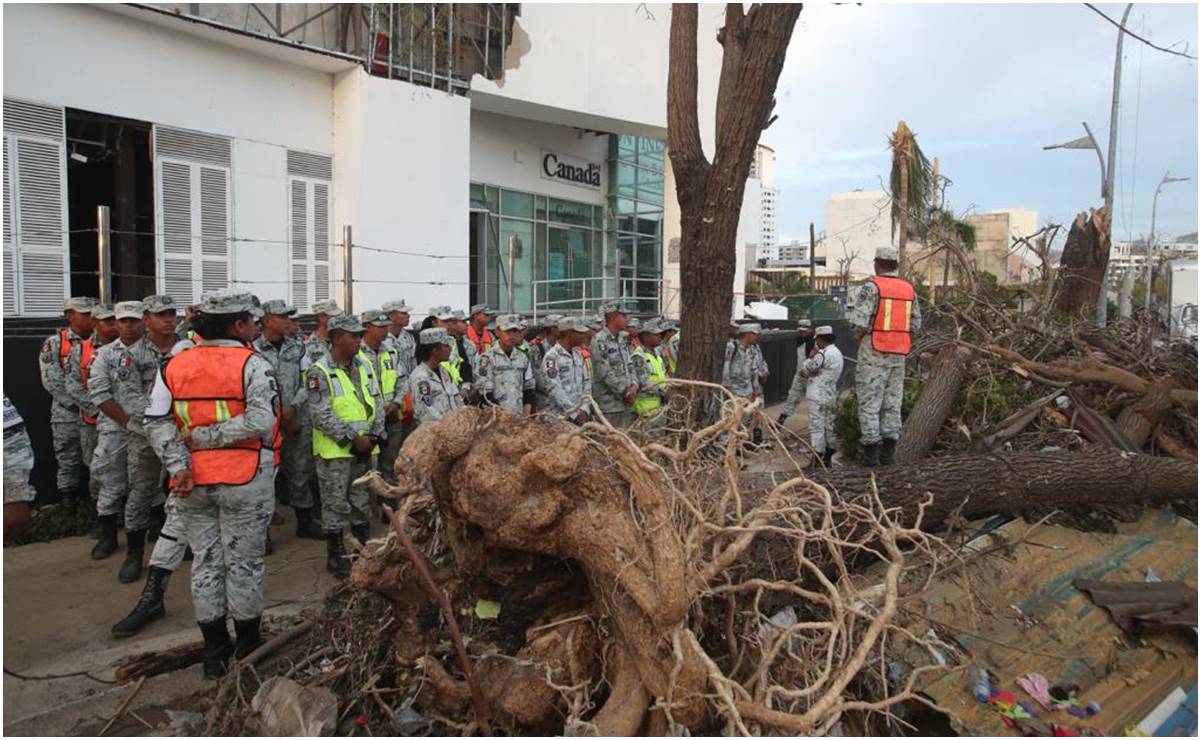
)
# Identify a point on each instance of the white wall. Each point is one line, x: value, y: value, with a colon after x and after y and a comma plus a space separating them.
x: 507, y: 151
x: 401, y: 174
x: 86, y: 57
x: 260, y: 212
x: 857, y: 223
x: 603, y: 62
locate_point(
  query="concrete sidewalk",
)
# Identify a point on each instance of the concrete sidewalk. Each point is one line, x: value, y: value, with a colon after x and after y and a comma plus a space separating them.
x: 59, y: 606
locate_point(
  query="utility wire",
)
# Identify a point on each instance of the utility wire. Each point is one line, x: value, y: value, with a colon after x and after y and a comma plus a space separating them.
x: 1134, y: 35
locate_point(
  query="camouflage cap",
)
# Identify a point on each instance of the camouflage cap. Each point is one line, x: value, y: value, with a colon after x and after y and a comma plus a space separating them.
x: 256, y: 307
x: 888, y: 252
x: 653, y: 326
x: 223, y: 302
x: 483, y: 308
x: 509, y: 321
x: 804, y: 324
x: 595, y: 322
x: 442, y: 313
x: 633, y: 322
x: 104, y: 313
x: 79, y: 304
x: 278, y: 307
x: 400, y: 305
x: 751, y: 328
x: 573, y: 323
x: 129, y: 310
x: 345, y: 322
x: 159, y: 303
x: 434, y: 335
x: 375, y: 318
x: 612, y: 307
x: 550, y: 321
x: 326, y: 308
x: 458, y: 315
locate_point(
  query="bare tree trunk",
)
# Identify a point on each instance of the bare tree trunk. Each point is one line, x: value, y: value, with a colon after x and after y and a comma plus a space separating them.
x: 939, y: 391
x: 1014, y: 482
x: 710, y: 195
x: 1082, y: 267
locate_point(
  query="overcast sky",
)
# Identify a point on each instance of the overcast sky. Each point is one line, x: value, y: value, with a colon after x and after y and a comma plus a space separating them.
x: 985, y: 88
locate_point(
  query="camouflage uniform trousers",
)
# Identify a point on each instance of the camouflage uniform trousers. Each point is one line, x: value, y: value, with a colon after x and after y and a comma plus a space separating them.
x: 342, y: 504
x: 127, y: 467
x: 821, y: 424
x: 172, y: 543
x: 18, y: 464
x: 397, y: 432
x: 226, y: 527
x: 296, y: 464
x: 879, y: 389
x: 64, y: 427
x: 89, y: 437
x: 620, y: 418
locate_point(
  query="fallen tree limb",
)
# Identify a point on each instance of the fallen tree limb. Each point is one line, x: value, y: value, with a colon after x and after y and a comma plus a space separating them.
x: 1140, y: 418
x: 1089, y: 370
x: 935, y: 403
x: 1014, y: 482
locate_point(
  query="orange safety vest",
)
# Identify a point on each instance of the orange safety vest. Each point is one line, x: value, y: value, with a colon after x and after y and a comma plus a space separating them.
x: 890, y: 328
x: 206, y: 385
x: 482, y: 343
x: 587, y: 353
x: 85, y: 371
x: 64, y: 349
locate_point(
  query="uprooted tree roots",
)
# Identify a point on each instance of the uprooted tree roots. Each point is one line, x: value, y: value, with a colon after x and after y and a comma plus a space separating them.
x: 631, y: 597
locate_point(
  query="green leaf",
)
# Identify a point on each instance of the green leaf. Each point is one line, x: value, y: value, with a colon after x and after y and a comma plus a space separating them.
x: 485, y: 609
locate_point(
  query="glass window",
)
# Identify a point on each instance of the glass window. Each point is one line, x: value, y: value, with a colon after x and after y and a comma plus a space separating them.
x: 570, y: 212
x: 477, y: 196
x: 516, y: 204
x: 517, y: 236
x: 540, y: 207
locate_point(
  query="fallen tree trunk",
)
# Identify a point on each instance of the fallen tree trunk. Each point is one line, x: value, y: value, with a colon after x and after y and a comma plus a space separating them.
x: 1140, y: 418
x: 1089, y: 370
x: 935, y: 403
x: 1015, y: 482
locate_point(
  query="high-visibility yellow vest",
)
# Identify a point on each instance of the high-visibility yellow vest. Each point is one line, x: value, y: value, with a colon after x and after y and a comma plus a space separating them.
x: 347, y: 407
x: 452, y: 368
x: 387, y: 371
x: 649, y: 405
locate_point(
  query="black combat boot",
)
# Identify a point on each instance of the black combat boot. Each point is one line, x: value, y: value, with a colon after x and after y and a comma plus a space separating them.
x: 828, y: 459
x: 107, y: 544
x: 217, y: 647
x: 871, y: 455
x: 247, y: 631
x: 306, y: 526
x: 888, y: 451
x: 150, y: 604
x: 361, y: 532
x: 335, y: 559
x: 135, y: 548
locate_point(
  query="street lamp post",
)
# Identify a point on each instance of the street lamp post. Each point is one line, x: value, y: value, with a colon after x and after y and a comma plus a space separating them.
x: 1167, y: 178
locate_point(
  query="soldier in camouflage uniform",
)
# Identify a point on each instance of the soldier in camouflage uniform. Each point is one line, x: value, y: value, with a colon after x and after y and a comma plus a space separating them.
x: 75, y: 377
x: 613, y: 383
x: 64, y: 413
x: 650, y: 371
x: 823, y: 369
x: 290, y: 361
x: 116, y: 392
x: 879, y: 375
x: 393, y: 385
x: 506, y: 377
x: 740, y: 371
x: 18, y: 464
x: 403, y: 346
x: 433, y: 390
x: 317, y: 343
x: 566, y: 385
x: 799, y: 380
x: 225, y: 519
x: 669, y: 348
x: 138, y: 366
x: 347, y: 413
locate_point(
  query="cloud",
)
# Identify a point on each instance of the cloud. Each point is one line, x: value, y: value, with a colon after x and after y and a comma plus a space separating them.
x: 986, y: 87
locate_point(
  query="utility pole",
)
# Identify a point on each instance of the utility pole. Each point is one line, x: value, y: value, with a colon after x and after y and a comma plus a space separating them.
x: 1110, y: 169
x: 347, y: 269
x: 1167, y: 178
x: 812, y: 260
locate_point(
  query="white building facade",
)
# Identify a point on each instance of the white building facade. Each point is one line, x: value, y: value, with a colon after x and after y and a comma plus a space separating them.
x: 857, y: 224
x: 236, y: 154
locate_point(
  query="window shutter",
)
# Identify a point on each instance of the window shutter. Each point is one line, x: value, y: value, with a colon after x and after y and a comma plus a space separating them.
x: 36, y: 270
x: 308, y: 227
x: 193, y: 172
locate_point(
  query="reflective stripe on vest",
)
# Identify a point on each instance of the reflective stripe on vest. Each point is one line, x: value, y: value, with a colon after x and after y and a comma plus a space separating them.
x: 648, y: 405
x: 347, y: 406
x: 85, y: 360
x: 387, y: 371
x: 207, y: 387
x: 587, y: 355
x: 452, y: 368
x: 64, y: 349
x: 890, y: 327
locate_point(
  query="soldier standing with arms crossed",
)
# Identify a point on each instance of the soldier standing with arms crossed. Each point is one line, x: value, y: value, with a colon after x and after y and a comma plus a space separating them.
x: 64, y: 414
x: 566, y: 380
x: 506, y: 377
x: 886, y: 313
x: 78, y: 370
x: 213, y: 417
